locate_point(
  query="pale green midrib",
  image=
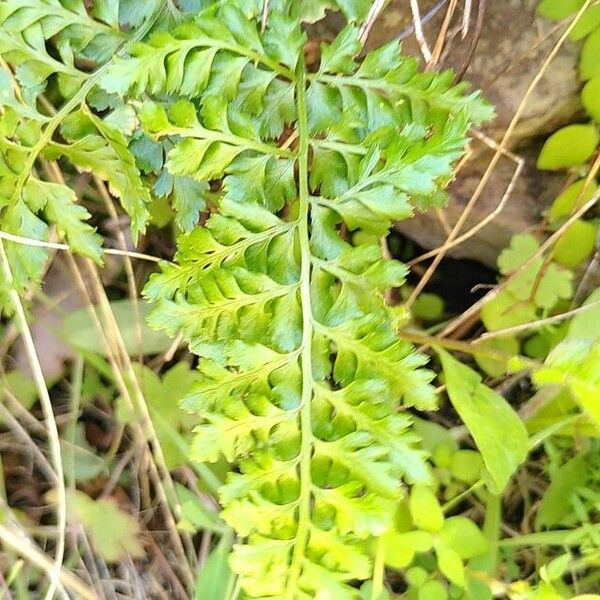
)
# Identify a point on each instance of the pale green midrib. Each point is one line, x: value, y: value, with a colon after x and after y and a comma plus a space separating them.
x: 75, y: 18
x: 42, y: 57
x: 436, y: 98
x: 307, y: 440
x: 217, y: 258
x: 245, y: 300
x: 342, y: 274
x: 79, y: 97
x: 250, y: 374
x: 201, y: 133
x: 211, y: 43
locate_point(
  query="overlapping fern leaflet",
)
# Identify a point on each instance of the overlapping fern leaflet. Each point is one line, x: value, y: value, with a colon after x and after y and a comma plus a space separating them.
x: 281, y: 294
x: 61, y: 48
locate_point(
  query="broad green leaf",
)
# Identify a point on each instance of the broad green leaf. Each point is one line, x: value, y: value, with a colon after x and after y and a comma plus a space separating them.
x: 556, y: 505
x: 587, y: 23
x: 429, y: 307
x: 570, y: 146
x: 576, y: 244
x: 213, y: 578
x: 586, y: 324
x: 575, y: 364
x: 425, y: 509
x: 450, y: 564
x: 401, y: 548
x: 79, y: 330
x: 574, y: 197
x: 507, y: 345
x: 506, y: 310
x: 432, y: 590
x: 195, y: 515
x: 590, y: 98
x: 466, y: 465
x: 79, y: 459
x: 488, y: 417
x: 20, y: 386
x: 464, y: 537
x: 557, y: 567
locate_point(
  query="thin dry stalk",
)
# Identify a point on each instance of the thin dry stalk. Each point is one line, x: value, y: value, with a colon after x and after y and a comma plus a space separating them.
x: 25, y: 549
x: 520, y: 164
x: 25, y: 241
x: 131, y: 284
x: 416, y: 15
x: 374, y: 11
x: 21, y: 433
x: 53, y: 438
x: 141, y: 430
x: 540, y: 322
x: 466, y: 18
x: 441, y: 38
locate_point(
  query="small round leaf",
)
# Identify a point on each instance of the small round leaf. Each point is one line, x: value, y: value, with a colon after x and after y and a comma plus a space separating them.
x: 590, y: 98
x: 589, y: 63
x: 569, y: 146
x: 425, y: 509
x: 558, y: 9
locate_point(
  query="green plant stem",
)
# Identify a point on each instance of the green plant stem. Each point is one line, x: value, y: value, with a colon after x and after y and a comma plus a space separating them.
x: 491, y: 529
x: 302, y: 532
x: 378, y: 569
x: 559, y: 537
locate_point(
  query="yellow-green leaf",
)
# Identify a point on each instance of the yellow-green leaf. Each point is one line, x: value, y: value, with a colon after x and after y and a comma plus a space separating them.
x: 576, y: 244
x: 589, y: 62
x: 570, y: 146
x: 113, y: 533
x: 496, y: 428
x: 558, y: 9
x: 590, y: 98
x: 575, y: 196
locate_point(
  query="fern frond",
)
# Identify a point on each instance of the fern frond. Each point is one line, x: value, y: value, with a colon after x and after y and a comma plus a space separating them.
x: 302, y: 377
x: 301, y: 372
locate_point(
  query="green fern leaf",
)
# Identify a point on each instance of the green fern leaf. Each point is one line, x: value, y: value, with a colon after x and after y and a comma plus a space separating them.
x: 27, y: 262
x: 59, y: 203
x: 302, y: 378
x: 104, y: 152
x: 301, y: 372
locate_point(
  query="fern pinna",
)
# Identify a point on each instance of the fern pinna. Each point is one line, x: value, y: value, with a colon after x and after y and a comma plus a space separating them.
x: 281, y: 293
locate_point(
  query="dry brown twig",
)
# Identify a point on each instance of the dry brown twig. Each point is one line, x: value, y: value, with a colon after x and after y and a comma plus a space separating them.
x: 416, y: 14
